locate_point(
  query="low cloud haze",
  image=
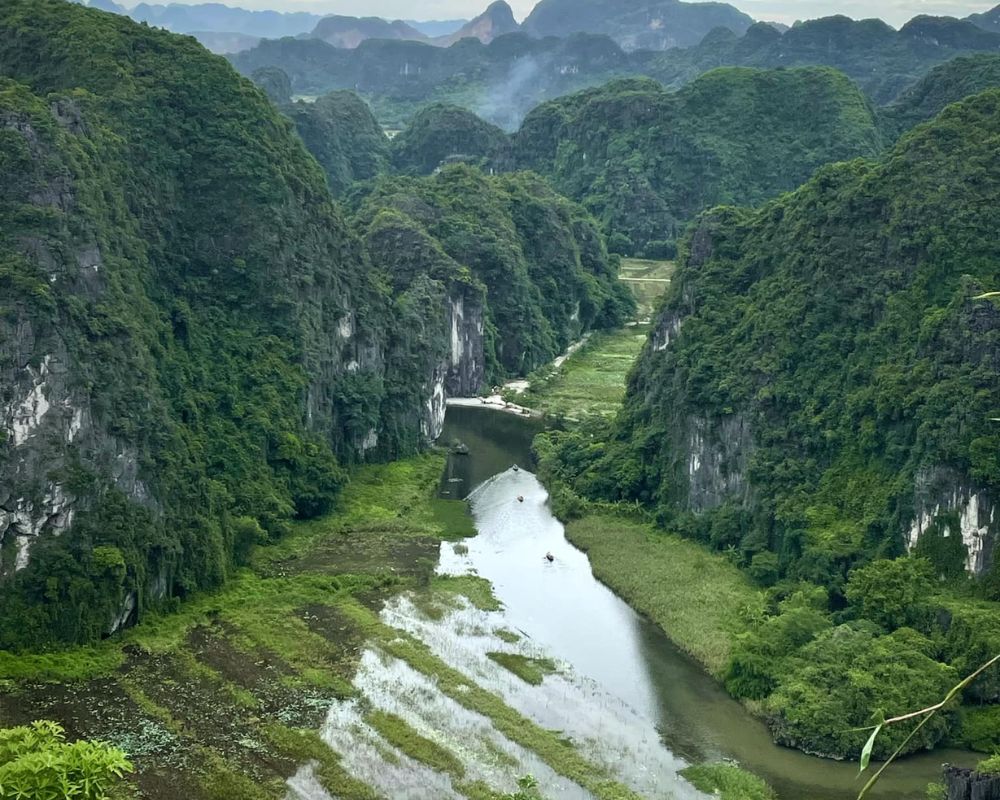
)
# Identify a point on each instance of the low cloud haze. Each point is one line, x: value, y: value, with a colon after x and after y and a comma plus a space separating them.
x: 895, y: 12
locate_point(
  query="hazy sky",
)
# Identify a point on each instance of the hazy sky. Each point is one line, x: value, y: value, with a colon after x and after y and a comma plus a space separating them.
x: 895, y: 12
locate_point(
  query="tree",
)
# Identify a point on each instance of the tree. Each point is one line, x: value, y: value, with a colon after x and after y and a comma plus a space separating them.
x: 891, y: 593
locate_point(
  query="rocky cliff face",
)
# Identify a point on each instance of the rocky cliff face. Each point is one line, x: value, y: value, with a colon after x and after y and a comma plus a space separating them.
x: 947, y: 504
x: 192, y: 339
x: 823, y: 375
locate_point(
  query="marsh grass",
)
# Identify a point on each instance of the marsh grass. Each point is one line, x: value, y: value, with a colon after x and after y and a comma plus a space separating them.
x: 700, y: 599
x: 400, y: 734
x: 728, y: 782
x: 478, y: 591
x: 592, y: 380
x: 454, y: 518
x: 530, y: 670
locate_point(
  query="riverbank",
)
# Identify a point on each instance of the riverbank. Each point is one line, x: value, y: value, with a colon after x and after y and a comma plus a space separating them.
x: 276, y: 683
x: 699, y: 599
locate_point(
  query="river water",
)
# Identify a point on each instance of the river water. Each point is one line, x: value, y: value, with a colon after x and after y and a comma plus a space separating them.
x: 564, y: 612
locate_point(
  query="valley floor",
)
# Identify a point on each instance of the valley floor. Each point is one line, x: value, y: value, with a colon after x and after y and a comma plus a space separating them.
x: 308, y: 671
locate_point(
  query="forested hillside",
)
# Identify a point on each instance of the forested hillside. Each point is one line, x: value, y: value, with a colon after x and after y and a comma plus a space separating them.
x: 193, y: 342
x: 883, y: 61
x: 942, y: 86
x: 540, y: 258
x: 732, y: 136
x: 500, y: 81
x: 818, y: 393
x: 341, y: 133
x: 439, y: 133
x: 504, y: 80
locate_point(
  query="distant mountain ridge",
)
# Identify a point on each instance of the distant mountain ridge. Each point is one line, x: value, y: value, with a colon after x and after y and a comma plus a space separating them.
x: 215, y: 18
x: 349, y: 32
x: 883, y: 61
x: 495, y: 21
x: 636, y: 24
x: 436, y: 27
x: 633, y: 24
x: 988, y: 20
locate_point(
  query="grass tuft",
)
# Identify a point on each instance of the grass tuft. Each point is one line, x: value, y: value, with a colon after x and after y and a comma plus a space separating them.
x: 529, y: 670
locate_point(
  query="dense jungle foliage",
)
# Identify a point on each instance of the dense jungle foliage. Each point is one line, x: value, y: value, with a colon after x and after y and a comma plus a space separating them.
x: 540, y: 257
x: 645, y: 161
x: 820, y: 376
x: 221, y: 344
x: 441, y: 133
x: 200, y: 331
x: 341, y: 133
x: 943, y: 85
x: 882, y: 60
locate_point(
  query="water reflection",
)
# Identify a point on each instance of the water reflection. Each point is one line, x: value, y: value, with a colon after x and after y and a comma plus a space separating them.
x: 573, y: 616
x: 496, y: 441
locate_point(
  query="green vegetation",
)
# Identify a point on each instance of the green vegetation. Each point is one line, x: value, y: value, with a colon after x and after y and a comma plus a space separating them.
x: 213, y: 344
x: 441, y: 134
x: 990, y: 766
x: 980, y: 729
x: 802, y: 440
x: 189, y: 341
x: 943, y: 85
x: 591, y: 381
x: 222, y: 698
x: 341, y: 133
x: 547, y: 276
x: 37, y: 763
x: 648, y: 280
x: 478, y: 591
x: 529, y: 670
x: 398, y: 733
x: 728, y: 782
x: 645, y: 190
x: 699, y: 598
x: 881, y: 60
x: 399, y: 78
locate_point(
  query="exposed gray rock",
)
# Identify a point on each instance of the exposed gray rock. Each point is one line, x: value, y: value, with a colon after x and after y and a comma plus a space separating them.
x: 942, y: 494
x: 717, y: 456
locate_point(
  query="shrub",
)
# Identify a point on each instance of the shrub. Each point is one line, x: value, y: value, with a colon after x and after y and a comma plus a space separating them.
x: 891, y: 593
x: 37, y: 763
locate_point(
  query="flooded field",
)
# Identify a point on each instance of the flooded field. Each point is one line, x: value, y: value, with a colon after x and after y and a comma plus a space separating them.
x: 384, y: 654
x: 566, y: 614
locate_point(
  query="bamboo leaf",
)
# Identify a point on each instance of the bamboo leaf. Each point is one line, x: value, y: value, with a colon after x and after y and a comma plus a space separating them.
x: 866, y: 753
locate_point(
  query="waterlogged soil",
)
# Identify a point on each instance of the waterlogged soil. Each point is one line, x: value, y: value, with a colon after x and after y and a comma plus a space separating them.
x: 566, y: 614
x: 342, y: 668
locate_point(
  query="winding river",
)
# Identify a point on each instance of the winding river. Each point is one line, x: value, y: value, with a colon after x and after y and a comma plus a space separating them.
x: 565, y: 612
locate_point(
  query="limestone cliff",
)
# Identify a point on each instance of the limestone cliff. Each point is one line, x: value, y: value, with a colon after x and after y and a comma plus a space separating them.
x: 192, y: 340
x: 822, y: 381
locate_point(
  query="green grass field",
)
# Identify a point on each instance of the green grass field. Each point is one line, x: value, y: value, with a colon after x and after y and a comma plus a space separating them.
x: 648, y: 280
x: 592, y: 380
x: 698, y: 598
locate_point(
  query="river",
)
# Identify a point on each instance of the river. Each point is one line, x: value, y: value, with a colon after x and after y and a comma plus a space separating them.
x: 565, y: 612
